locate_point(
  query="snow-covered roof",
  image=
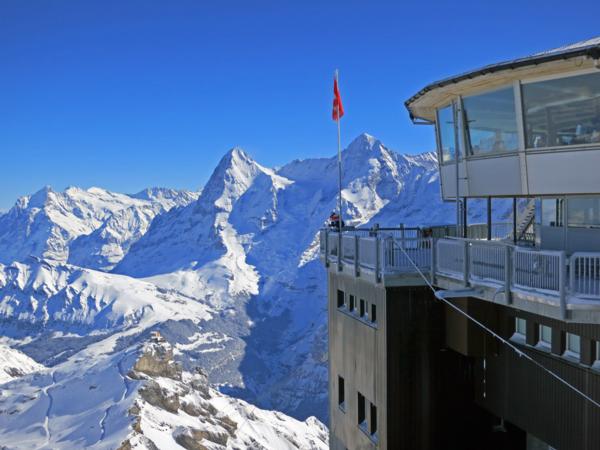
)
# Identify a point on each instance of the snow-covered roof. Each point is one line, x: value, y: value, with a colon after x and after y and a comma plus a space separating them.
x: 589, y: 48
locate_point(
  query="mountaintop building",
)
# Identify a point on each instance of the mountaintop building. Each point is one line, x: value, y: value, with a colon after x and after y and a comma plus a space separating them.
x: 506, y: 353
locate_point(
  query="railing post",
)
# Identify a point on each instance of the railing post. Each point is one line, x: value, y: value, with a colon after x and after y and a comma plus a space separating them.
x: 378, y: 252
x: 356, y: 256
x: 572, y: 269
x: 508, y: 275
x: 340, y: 252
x: 562, y: 285
x: 466, y: 262
x: 432, y: 259
x: 402, y: 234
x: 326, y: 247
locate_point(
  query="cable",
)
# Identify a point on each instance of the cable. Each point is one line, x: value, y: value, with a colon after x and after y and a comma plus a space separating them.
x: 520, y: 353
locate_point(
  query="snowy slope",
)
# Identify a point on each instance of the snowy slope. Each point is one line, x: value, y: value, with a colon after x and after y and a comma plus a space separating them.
x: 54, y: 294
x: 14, y: 364
x: 47, y: 222
x: 248, y: 246
x: 231, y: 277
x: 139, y: 398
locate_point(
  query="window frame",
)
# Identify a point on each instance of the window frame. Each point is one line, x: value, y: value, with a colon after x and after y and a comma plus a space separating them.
x: 343, y: 296
x: 517, y: 333
x: 439, y: 141
x: 464, y: 154
x: 518, y: 127
x: 362, y: 308
x: 341, y: 393
x: 564, y: 75
x: 361, y: 413
x: 541, y: 342
x: 572, y: 353
x: 373, y: 423
x: 567, y: 212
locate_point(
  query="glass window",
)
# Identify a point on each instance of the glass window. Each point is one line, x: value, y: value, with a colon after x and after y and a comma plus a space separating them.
x: 552, y: 212
x: 445, y: 125
x: 491, y: 122
x: 341, y: 393
x: 561, y: 112
x: 573, y: 344
x: 340, y: 298
x: 373, y: 428
x: 520, y: 326
x: 545, y: 335
x: 584, y: 212
x: 351, y: 303
x: 373, y: 313
x: 361, y: 409
x: 362, y: 308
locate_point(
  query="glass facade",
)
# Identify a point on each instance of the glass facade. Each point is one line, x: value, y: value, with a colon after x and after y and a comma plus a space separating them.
x: 552, y: 212
x: 447, y: 139
x: 584, y: 212
x: 562, y: 112
x: 491, y: 122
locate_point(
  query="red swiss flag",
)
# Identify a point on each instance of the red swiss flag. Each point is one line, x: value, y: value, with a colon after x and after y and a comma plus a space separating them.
x: 338, y: 108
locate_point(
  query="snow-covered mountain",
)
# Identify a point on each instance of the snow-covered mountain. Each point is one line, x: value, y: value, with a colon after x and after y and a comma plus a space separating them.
x: 231, y: 277
x: 139, y: 398
x: 14, y: 364
x: 47, y: 223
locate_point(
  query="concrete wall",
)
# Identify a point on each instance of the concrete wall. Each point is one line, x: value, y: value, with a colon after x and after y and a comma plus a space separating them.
x: 357, y: 352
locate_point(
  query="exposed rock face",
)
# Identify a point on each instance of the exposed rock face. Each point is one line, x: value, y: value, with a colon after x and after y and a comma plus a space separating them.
x: 157, y: 361
x: 197, y: 417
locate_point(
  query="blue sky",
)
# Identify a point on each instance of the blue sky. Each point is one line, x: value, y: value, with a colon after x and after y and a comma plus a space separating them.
x: 128, y: 94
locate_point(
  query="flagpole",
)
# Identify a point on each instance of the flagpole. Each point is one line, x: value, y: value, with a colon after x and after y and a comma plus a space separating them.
x: 339, y: 158
x: 339, y: 178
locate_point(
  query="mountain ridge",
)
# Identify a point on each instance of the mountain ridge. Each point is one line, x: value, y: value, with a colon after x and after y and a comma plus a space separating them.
x: 231, y: 275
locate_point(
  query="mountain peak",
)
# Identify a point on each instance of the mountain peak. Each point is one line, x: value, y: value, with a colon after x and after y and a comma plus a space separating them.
x: 236, y: 156
x: 232, y: 176
x: 39, y: 199
x: 363, y: 142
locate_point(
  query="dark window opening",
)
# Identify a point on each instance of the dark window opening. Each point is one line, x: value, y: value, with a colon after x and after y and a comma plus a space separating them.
x: 341, y: 392
x: 361, y: 409
x: 362, y: 308
x: 351, y: 303
x: 373, y: 313
x: 340, y: 298
x: 373, y: 411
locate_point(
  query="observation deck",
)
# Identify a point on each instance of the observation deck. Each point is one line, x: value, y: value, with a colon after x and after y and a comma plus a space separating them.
x: 546, y: 282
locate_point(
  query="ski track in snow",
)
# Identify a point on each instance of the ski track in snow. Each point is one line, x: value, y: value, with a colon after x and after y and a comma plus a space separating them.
x: 125, y: 392
x: 48, y: 410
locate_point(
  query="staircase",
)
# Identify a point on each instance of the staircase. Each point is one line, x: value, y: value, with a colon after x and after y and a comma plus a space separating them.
x: 525, y: 220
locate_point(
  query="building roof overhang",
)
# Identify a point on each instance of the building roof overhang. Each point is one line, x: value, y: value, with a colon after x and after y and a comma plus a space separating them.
x: 581, y: 55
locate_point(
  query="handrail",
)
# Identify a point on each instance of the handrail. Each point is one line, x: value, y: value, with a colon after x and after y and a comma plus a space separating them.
x: 472, y: 262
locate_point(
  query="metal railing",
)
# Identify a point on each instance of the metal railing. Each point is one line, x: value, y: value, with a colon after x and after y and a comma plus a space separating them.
x: 538, y: 270
x: 488, y: 261
x: 451, y: 257
x: 367, y: 250
x: 585, y: 275
x: 473, y: 262
x: 349, y: 250
x: 399, y: 255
